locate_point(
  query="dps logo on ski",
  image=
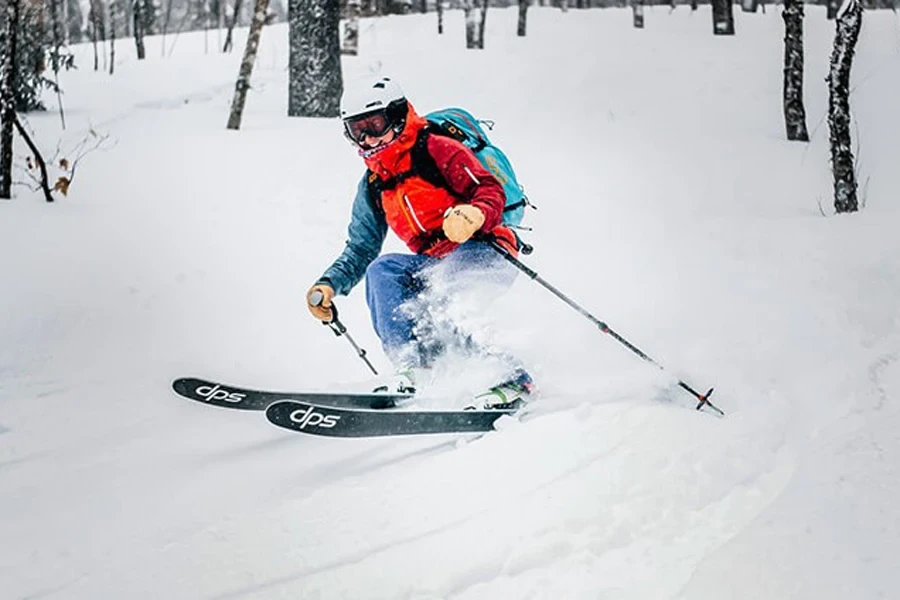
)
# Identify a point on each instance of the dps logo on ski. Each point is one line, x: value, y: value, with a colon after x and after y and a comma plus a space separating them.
x: 310, y: 417
x: 213, y: 393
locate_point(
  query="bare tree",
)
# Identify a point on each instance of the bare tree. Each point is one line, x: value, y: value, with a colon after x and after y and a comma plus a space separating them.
x: 794, y: 111
x: 723, y: 17
x: 849, y: 23
x: 139, y: 21
x: 471, y: 23
x: 96, y: 25
x: 637, y: 8
x: 243, y: 80
x: 56, y: 55
x: 440, y: 15
x: 475, y: 22
x: 113, y: 15
x: 165, y: 28
x: 523, y: 17
x: 8, y: 98
x: 315, y: 84
x: 481, y: 25
x: 231, y: 23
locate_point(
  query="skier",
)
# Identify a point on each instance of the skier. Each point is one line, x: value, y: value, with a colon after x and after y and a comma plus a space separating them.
x: 410, y: 295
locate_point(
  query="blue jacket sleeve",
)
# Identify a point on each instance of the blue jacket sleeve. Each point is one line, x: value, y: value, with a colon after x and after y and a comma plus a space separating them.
x: 366, y: 234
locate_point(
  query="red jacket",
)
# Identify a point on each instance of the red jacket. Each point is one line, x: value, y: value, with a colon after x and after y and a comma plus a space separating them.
x: 414, y: 208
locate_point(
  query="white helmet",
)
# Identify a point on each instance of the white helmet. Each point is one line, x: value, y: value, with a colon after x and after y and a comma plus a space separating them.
x: 372, y: 94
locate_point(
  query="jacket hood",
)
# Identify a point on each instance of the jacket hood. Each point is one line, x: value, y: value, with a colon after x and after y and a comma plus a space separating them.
x: 394, y: 157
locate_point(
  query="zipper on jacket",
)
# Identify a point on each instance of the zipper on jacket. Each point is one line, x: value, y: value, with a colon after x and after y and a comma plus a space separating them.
x: 412, y: 214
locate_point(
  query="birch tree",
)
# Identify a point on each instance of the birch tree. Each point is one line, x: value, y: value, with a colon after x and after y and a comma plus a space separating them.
x: 243, y: 81
x: 848, y: 25
x: 794, y: 111
x: 315, y: 84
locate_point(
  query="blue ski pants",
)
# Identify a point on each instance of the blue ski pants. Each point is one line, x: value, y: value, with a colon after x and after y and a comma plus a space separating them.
x: 395, y: 282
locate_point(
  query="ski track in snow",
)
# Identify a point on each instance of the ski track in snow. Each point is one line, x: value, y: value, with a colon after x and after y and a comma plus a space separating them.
x: 669, y: 206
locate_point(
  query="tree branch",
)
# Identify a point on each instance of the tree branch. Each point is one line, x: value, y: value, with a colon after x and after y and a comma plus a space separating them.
x: 37, y: 156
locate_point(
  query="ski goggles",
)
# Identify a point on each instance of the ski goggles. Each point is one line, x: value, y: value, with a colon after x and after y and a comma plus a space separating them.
x: 373, y: 125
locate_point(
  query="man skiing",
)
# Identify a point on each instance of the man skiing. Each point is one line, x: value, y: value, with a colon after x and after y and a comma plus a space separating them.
x: 445, y: 225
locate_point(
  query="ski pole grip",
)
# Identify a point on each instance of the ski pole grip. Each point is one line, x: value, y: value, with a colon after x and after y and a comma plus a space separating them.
x: 316, y: 298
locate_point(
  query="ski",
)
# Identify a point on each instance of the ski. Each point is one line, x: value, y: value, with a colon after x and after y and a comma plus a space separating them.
x: 343, y: 422
x: 226, y: 396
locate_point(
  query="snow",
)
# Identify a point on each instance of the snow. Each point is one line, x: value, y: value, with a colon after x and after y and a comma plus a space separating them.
x: 670, y: 206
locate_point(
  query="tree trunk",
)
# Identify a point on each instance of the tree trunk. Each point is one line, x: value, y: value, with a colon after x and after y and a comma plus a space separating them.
x: 8, y: 99
x: 65, y: 17
x: 424, y: 6
x: 440, y: 14
x: 112, y: 36
x: 849, y: 23
x: 55, y: 56
x: 138, y: 16
x: 350, y: 40
x: 95, y: 33
x: 165, y: 29
x: 523, y: 17
x: 315, y: 84
x: 481, y: 25
x: 693, y: 5
x: 794, y: 111
x: 243, y: 80
x: 471, y: 24
x: 833, y: 6
x: 637, y: 8
x: 723, y: 17
x: 234, y: 18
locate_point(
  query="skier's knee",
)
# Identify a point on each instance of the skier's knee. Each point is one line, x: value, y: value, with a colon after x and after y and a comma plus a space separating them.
x: 386, y: 266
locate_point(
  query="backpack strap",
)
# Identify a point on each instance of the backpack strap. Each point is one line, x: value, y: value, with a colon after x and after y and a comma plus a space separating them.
x: 422, y: 165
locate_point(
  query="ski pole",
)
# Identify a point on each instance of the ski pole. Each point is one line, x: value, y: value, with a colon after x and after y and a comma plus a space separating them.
x: 338, y: 328
x: 702, y: 398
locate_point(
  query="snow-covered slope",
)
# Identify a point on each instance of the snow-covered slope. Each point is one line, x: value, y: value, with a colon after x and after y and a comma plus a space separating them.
x: 670, y: 206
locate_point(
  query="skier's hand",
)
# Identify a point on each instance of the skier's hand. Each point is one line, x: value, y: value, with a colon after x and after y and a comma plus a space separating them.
x: 462, y: 222
x: 322, y: 311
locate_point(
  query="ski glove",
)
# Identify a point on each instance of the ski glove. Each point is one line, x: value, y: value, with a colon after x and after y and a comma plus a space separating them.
x: 462, y: 222
x: 321, y: 311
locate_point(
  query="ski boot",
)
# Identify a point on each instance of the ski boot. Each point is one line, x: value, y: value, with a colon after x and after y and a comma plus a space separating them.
x: 512, y: 393
x: 403, y: 381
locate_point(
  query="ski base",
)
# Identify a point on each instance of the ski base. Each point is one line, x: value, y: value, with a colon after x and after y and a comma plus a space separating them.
x: 226, y: 396
x: 331, y: 421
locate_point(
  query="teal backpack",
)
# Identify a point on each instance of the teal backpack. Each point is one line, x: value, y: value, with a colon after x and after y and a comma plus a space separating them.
x: 460, y: 125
